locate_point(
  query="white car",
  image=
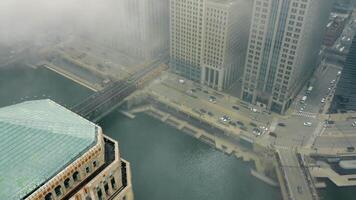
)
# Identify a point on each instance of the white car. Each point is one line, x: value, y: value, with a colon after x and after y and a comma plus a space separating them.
x: 308, y: 124
x: 323, y: 100
x: 181, y: 81
x: 354, y: 124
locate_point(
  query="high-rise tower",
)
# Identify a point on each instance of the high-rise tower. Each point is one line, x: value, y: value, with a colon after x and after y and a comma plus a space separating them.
x: 285, y: 40
x: 209, y: 39
x: 345, y: 95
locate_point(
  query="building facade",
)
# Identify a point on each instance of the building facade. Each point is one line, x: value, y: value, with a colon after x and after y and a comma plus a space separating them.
x: 284, y: 44
x: 208, y: 39
x: 345, y: 94
x: 50, y: 153
x: 143, y: 28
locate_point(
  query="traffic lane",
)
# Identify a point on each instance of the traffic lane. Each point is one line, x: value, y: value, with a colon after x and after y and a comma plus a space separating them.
x: 342, y: 128
x: 295, y: 175
x: 221, y: 99
x: 216, y: 111
x: 198, y: 105
x: 294, y: 132
x: 335, y: 142
x: 321, y: 89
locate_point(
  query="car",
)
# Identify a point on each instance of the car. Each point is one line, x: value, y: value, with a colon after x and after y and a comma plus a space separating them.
x: 253, y: 124
x: 212, y: 97
x: 210, y: 114
x: 235, y: 107
x: 257, y: 131
x: 308, y: 124
x: 338, y: 73
x: 244, y: 128
x: 253, y: 110
x: 206, y: 91
x: 353, y: 124
x: 232, y: 123
x: 281, y: 124
x: 225, y: 118
x: 181, y: 81
x: 323, y: 100
x: 273, y: 134
x: 240, y: 123
x: 203, y: 110
x: 333, y: 81
x: 212, y: 100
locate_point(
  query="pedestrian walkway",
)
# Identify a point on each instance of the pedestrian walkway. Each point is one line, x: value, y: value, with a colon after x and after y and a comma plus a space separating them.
x: 305, y: 114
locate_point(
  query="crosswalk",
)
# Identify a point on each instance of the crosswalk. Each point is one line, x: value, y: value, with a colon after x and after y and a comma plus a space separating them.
x: 305, y: 114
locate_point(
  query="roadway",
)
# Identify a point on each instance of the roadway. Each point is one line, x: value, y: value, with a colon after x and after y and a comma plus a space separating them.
x: 298, y: 186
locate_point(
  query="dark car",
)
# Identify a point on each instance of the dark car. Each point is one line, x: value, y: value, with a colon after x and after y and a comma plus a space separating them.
x: 232, y: 123
x: 205, y: 91
x: 253, y: 124
x: 210, y: 114
x: 282, y: 124
x: 202, y: 111
x: 240, y: 123
x: 235, y: 107
x: 273, y: 134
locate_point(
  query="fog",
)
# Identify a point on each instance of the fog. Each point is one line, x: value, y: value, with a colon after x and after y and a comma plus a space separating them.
x: 43, y: 21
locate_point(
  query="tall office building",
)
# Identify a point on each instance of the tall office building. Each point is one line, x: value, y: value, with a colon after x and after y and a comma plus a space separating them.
x: 284, y: 44
x: 143, y: 28
x: 50, y: 153
x: 345, y: 94
x: 208, y: 40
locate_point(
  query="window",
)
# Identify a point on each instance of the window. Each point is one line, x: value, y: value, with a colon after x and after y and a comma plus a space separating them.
x: 48, y: 196
x: 113, y: 183
x: 106, y: 188
x: 58, y: 190
x: 95, y: 163
x: 99, y: 193
x: 76, y: 176
x: 67, y: 183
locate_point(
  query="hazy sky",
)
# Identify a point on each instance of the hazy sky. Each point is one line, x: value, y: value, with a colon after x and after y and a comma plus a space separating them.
x: 31, y: 19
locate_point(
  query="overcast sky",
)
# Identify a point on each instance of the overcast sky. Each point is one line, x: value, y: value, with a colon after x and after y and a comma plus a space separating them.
x: 31, y: 19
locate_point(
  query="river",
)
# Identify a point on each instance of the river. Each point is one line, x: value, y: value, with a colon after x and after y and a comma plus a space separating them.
x: 166, y: 163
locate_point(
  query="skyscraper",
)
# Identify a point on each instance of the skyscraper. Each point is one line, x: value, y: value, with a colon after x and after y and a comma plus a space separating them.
x: 208, y: 40
x: 285, y: 39
x: 142, y: 28
x: 345, y: 95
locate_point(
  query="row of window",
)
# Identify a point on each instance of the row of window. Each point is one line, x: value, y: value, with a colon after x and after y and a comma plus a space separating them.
x: 69, y: 182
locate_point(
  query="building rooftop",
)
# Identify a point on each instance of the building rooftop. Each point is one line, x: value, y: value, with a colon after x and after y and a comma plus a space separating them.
x: 38, y: 139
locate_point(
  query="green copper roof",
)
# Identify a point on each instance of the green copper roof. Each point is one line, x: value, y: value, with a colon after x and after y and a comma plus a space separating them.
x: 37, y: 140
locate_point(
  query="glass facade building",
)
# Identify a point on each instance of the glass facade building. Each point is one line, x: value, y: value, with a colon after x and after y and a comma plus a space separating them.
x: 345, y: 95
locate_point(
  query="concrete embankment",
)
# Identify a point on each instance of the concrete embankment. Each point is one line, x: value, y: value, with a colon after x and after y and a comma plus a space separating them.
x: 72, y: 77
x: 238, y: 145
